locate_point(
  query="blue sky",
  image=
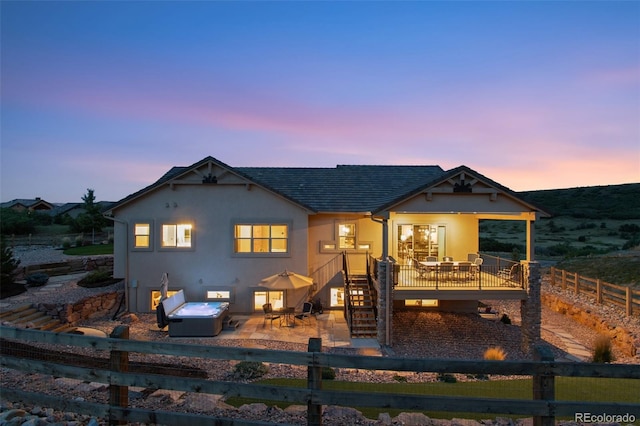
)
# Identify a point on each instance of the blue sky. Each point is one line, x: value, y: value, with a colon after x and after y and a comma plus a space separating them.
x: 110, y: 95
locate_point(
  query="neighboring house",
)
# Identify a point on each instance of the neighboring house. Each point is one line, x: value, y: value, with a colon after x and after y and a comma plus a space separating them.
x: 218, y: 230
x: 73, y: 210
x: 36, y: 204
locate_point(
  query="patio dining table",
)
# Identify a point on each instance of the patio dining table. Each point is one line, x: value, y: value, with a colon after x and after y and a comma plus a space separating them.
x: 288, y: 318
x: 454, y: 264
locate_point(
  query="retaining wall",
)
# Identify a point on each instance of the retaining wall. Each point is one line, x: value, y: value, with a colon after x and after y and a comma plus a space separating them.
x: 622, y: 338
x: 90, y: 307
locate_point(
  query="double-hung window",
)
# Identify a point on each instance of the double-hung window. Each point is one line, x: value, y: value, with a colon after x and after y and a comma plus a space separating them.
x: 142, y: 235
x: 177, y: 235
x: 346, y: 236
x: 261, y: 238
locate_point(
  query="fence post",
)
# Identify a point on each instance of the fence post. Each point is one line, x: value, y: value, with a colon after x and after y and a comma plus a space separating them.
x: 629, y: 301
x: 544, y: 384
x: 119, y: 362
x: 564, y: 279
x: 553, y: 275
x: 576, y: 285
x: 598, y: 291
x: 314, y: 382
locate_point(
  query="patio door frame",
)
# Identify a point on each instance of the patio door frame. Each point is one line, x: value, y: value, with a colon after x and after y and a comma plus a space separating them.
x: 275, y: 297
x: 439, y: 243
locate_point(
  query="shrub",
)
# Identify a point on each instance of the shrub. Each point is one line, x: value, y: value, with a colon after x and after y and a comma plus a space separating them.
x: 399, y: 378
x: 80, y: 240
x: 66, y: 243
x: 447, y: 378
x: 97, y: 279
x: 328, y: 373
x: 602, y: 350
x: 249, y: 370
x: 38, y: 279
x: 494, y: 354
x: 505, y: 319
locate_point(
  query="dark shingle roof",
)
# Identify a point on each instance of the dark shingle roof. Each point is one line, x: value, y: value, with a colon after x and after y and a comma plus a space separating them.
x: 345, y: 188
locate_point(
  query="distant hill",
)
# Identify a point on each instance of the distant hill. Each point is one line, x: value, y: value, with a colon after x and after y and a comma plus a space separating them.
x: 591, y: 202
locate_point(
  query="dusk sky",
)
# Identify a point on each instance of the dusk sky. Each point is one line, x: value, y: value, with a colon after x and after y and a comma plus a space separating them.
x: 111, y: 95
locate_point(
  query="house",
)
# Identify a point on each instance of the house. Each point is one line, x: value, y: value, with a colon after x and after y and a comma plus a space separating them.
x: 35, y: 204
x: 217, y: 230
x: 73, y: 210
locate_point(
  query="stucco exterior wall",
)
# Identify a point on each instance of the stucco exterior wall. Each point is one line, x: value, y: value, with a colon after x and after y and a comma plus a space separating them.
x: 323, y: 228
x: 211, y: 262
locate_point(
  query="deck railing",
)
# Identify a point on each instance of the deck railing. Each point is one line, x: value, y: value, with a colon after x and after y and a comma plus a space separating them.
x: 489, y: 277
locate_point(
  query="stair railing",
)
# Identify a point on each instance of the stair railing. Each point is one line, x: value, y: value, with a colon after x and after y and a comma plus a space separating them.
x: 326, y: 272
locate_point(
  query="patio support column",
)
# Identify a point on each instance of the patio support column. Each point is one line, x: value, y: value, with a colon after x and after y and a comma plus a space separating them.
x: 531, y: 237
x: 384, y: 302
x: 530, y: 309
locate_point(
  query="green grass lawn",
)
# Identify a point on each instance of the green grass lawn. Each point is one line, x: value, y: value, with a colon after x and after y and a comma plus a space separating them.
x: 91, y: 250
x: 567, y: 388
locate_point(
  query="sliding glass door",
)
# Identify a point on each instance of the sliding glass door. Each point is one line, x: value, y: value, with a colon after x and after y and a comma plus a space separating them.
x: 419, y: 241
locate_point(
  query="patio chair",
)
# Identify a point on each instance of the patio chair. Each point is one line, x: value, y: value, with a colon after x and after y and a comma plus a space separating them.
x: 421, y: 269
x: 445, y: 270
x: 305, y: 315
x: 269, y: 314
x: 432, y: 259
x: 475, y: 267
x: 464, y: 271
x: 509, y: 274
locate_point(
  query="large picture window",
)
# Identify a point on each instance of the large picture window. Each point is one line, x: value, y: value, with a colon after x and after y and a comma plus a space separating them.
x: 261, y: 238
x: 177, y: 235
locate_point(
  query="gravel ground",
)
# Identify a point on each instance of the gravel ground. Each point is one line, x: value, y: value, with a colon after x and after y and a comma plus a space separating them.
x: 457, y: 336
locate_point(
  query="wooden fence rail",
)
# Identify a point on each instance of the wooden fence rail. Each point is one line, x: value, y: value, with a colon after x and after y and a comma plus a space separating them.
x: 625, y: 297
x: 544, y: 407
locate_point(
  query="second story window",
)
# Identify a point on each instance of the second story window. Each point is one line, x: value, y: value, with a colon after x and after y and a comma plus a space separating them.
x: 176, y: 235
x: 261, y: 238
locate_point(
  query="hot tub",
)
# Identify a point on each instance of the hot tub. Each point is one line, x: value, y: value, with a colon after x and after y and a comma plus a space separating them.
x: 194, y: 319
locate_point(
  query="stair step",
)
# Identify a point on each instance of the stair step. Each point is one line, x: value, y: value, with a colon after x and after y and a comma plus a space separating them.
x: 53, y: 323
x: 42, y: 320
x: 20, y: 314
x: 64, y: 328
x: 230, y: 324
x: 15, y: 311
x: 28, y: 318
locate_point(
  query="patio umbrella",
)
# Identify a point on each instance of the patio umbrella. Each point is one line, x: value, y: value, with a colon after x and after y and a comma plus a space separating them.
x: 164, y: 286
x: 286, y: 281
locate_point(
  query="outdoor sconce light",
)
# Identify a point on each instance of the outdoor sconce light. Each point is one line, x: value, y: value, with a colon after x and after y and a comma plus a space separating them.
x: 166, y: 205
x: 175, y: 204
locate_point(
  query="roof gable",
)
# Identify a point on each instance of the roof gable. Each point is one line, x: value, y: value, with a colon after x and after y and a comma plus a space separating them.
x: 207, y: 171
x: 460, y: 180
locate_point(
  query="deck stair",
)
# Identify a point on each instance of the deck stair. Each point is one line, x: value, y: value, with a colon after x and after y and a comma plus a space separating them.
x: 363, y: 320
x: 230, y: 324
x: 29, y: 315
